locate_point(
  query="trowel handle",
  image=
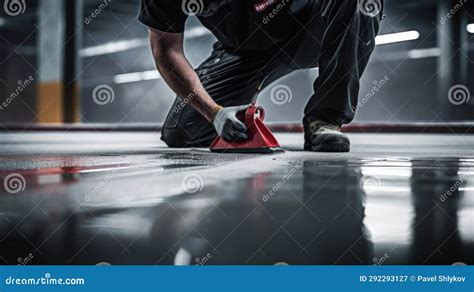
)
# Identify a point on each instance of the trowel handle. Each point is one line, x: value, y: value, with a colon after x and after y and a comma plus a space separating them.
x: 255, y: 111
x: 260, y: 112
x: 252, y: 113
x: 260, y: 84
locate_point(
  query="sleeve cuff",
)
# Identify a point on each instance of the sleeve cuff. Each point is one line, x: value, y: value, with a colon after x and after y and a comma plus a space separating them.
x: 161, y: 26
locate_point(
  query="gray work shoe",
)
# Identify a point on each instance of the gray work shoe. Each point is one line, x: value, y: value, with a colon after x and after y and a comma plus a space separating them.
x: 324, y: 137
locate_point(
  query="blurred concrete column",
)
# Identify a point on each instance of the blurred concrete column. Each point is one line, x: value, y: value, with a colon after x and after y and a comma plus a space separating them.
x: 72, y: 63
x: 58, y: 98
x: 49, y: 105
x: 452, y: 40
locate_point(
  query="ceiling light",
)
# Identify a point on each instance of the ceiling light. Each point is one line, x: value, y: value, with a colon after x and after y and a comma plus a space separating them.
x: 137, y: 76
x: 470, y: 28
x: 112, y: 47
x: 397, y: 37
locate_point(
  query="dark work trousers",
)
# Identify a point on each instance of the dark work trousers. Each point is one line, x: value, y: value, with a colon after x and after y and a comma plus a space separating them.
x: 334, y: 35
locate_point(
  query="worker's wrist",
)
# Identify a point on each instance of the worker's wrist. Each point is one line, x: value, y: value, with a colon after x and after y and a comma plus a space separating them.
x: 215, y: 111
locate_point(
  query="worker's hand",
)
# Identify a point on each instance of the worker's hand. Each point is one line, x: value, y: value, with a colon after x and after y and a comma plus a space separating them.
x: 228, y: 126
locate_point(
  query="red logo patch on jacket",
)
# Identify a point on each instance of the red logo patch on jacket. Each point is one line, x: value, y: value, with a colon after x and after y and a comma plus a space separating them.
x: 262, y: 6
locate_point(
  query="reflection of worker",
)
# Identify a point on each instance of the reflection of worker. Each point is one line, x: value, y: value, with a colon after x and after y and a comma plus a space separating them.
x: 255, y: 38
x: 436, y: 199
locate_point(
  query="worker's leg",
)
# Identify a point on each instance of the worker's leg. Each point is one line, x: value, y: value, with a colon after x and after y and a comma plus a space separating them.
x: 346, y: 45
x: 230, y: 79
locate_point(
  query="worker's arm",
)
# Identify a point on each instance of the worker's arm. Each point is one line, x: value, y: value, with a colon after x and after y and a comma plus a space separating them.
x: 175, y: 69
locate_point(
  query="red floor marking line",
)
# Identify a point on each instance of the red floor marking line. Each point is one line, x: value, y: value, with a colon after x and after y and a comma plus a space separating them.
x: 62, y: 170
x: 457, y: 128
x: 387, y: 128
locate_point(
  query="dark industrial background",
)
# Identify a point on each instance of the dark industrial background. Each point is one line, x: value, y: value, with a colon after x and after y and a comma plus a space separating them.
x: 419, y: 72
x: 105, y: 190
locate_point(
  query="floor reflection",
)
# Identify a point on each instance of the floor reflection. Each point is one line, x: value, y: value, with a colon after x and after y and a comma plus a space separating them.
x: 333, y: 192
x: 346, y: 211
x: 310, y: 213
x: 436, y: 199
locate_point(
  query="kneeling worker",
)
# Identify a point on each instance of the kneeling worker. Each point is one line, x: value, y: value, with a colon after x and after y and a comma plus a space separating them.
x: 255, y: 38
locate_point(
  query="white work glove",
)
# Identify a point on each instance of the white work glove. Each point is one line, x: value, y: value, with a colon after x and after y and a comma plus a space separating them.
x: 228, y: 126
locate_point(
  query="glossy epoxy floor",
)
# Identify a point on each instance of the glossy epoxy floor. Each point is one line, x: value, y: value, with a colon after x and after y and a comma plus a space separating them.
x: 126, y: 199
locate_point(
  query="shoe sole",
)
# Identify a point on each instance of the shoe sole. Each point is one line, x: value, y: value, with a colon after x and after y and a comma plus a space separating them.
x: 329, y: 147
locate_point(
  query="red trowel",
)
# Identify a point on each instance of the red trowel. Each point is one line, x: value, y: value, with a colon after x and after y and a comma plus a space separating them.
x: 260, y: 138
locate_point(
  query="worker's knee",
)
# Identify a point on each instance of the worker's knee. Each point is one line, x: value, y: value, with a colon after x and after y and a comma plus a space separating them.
x: 173, y: 138
x: 176, y: 138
